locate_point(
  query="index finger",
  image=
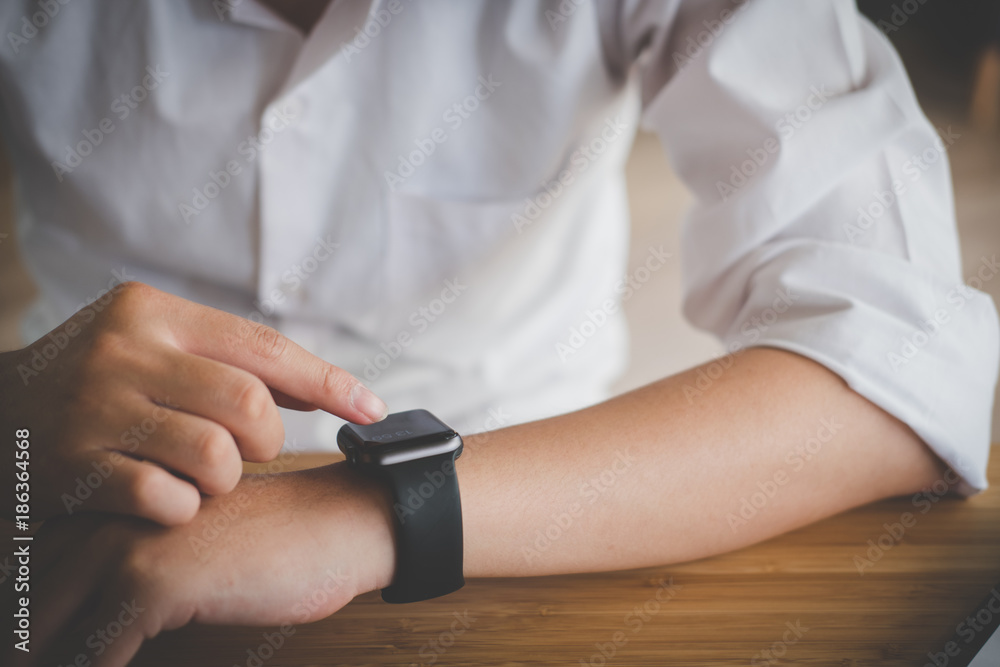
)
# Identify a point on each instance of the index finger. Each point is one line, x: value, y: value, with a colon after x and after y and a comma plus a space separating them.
x: 279, y: 362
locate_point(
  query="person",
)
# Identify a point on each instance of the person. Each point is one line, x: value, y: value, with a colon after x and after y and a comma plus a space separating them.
x: 246, y: 219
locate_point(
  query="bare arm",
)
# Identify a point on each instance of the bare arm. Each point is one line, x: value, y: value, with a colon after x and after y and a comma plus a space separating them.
x: 656, y: 476
x: 647, y: 478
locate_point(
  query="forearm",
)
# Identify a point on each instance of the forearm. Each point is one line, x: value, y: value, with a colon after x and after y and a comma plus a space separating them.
x: 647, y: 478
x: 651, y: 477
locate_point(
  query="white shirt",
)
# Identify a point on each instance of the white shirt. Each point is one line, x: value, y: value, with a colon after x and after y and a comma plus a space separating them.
x: 431, y: 194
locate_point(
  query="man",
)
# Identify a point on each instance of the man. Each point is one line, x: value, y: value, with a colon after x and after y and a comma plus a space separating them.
x: 430, y: 196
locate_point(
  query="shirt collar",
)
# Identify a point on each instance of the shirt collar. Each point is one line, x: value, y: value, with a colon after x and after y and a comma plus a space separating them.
x: 258, y: 15
x: 332, y: 32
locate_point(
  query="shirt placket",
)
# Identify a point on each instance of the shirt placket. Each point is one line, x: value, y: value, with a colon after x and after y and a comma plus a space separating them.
x: 287, y: 230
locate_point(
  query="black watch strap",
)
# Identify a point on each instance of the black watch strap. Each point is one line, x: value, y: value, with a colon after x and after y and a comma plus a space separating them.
x: 428, y: 512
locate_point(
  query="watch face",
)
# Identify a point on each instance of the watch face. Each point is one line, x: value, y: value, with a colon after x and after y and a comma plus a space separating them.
x: 400, y: 437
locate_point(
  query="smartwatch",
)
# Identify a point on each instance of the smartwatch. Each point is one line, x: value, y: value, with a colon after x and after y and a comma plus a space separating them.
x: 414, y: 453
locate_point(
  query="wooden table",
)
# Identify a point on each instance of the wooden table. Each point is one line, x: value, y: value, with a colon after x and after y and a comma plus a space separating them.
x: 726, y: 610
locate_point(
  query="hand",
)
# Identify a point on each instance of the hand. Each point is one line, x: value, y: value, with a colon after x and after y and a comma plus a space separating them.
x: 138, y: 404
x: 284, y: 548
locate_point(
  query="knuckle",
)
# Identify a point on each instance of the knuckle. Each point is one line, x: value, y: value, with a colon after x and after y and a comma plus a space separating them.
x: 213, y: 449
x: 264, y: 341
x: 253, y: 400
x: 336, y: 382
x: 106, y: 343
x: 130, y: 296
x: 146, y: 489
x: 114, y: 339
x: 138, y: 571
x: 133, y: 287
x: 134, y: 564
x: 108, y: 353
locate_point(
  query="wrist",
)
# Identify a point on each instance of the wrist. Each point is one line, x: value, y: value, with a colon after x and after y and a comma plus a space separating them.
x: 366, y: 505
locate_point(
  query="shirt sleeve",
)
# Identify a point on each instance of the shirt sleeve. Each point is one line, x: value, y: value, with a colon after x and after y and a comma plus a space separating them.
x: 823, y: 220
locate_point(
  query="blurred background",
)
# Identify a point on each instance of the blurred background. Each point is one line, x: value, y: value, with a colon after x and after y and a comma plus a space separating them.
x: 952, y: 51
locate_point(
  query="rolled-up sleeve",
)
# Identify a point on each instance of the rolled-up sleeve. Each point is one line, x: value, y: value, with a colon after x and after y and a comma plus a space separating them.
x: 823, y: 220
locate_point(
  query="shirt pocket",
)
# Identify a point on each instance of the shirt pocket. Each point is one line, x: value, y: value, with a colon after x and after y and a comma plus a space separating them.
x: 430, y: 241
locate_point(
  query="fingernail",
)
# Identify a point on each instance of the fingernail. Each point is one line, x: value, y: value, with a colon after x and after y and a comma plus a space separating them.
x: 368, y: 403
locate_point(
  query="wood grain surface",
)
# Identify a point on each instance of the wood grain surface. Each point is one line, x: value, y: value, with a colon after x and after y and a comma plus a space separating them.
x: 795, y: 600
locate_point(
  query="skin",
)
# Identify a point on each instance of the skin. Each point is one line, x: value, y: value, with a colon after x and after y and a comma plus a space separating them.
x: 682, y: 467
x: 159, y: 400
